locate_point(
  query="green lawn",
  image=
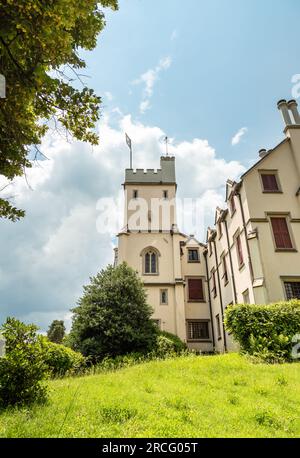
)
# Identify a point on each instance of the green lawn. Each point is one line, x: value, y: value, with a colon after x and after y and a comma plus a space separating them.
x: 212, y: 396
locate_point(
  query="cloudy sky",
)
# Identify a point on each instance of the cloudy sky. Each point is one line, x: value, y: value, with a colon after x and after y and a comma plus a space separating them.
x: 208, y: 75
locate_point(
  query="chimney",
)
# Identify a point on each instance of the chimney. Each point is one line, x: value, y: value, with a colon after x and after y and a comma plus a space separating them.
x: 292, y: 105
x: 262, y: 153
x: 283, y: 107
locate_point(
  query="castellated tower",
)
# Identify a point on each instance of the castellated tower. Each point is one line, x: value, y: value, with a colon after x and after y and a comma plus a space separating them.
x: 170, y: 264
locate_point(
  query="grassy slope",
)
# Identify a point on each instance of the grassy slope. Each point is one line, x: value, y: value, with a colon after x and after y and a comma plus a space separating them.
x: 215, y: 396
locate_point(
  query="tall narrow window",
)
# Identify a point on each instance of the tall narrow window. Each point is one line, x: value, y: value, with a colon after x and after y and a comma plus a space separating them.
x: 220, y: 229
x: 195, y: 290
x: 164, y: 297
x: 165, y: 194
x: 150, y: 262
x: 225, y: 273
x: 214, y: 288
x: 246, y: 297
x: 218, y: 327
x: 232, y: 205
x: 281, y: 233
x: 270, y: 183
x: 135, y: 193
x: 239, y: 251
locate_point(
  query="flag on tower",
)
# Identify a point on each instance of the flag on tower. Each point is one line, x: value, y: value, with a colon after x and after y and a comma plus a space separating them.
x: 128, y: 141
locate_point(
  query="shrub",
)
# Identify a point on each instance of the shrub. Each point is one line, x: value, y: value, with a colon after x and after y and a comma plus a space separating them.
x: 265, y: 331
x: 22, y: 369
x: 113, y: 317
x: 61, y: 360
x: 168, y: 344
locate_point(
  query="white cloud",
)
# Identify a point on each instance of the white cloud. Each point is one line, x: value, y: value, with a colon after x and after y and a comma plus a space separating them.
x: 50, y: 254
x: 238, y: 136
x: 148, y: 79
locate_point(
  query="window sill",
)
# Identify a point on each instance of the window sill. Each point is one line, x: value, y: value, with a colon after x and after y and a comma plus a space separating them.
x: 241, y: 266
x: 199, y: 340
x: 150, y: 275
x: 287, y: 250
x: 202, y: 301
x: 226, y: 283
x: 194, y: 262
x: 272, y: 192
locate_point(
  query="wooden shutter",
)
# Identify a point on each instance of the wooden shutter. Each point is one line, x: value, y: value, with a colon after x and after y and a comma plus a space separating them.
x: 269, y: 182
x: 195, y: 289
x: 281, y: 233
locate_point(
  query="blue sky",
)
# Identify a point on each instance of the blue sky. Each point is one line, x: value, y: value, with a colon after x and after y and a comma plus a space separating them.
x: 206, y: 73
x: 232, y: 60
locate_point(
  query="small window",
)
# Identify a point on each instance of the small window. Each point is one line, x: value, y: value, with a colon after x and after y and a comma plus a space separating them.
x: 165, y: 194
x: 164, y: 297
x: 246, y: 297
x: 218, y: 321
x: 270, y: 182
x: 225, y: 273
x: 214, y: 288
x: 281, y: 233
x: 193, y: 255
x: 135, y: 194
x: 292, y: 289
x: 150, y: 262
x: 195, y: 290
x: 232, y: 205
x: 197, y: 330
x: 239, y: 251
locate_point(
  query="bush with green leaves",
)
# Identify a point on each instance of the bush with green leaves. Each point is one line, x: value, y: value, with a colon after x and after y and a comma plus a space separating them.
x: 61, y: 360
x: 168, y: 344
x: 265, y: 331
x: 113, y: 317
x: 22, y: 370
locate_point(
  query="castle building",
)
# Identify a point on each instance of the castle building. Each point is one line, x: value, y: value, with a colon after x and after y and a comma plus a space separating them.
x: 250, y: 256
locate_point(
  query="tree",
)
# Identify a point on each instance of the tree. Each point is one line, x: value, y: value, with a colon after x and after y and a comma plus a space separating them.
x: 39, y: 45
x: 23, y: 370
x: 113, y: 317
x: 56, y: 331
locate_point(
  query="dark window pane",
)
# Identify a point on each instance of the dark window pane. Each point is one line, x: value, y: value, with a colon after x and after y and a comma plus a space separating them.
x: 292, y: 290
x: 147, y: 263
x: 153, y: 263
x: 269, y: 182
x: 193, y: 255
x: 195, y: 289
x: 281, y: 233
x: 198, y: 330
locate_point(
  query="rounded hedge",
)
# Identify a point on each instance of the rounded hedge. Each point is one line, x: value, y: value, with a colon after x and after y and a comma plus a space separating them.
x: 266, y: 331
x: 62, y: 360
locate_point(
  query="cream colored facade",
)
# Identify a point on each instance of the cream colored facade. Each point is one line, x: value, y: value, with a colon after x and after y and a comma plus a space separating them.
x: 270, y: 266
x: 251, y: 255
x: 168, y: 285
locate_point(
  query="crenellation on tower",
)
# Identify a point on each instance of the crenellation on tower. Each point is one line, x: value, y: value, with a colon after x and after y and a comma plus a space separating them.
x: 164, y: 175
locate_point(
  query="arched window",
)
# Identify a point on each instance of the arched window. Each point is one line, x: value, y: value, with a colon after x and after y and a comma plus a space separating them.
x: 150, y: 261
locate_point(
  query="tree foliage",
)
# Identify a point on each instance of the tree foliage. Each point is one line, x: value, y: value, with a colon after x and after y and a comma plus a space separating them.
x: 56, y: 331
x: 269, y: 332
x: 113, y: 317
x: 39, y: 42
x: 22, y: 369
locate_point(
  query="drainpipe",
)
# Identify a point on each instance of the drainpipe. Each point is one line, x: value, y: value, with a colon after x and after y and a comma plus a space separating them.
x: 221, y: 301
x: 231, y: 264
x: 245, y: 230
x: 209, y: 300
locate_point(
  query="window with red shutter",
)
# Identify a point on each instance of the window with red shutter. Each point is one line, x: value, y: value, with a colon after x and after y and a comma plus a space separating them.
x: 195, y: 289
x: 270, y: 183
x: 239, y: 250
x: 281, y: 233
